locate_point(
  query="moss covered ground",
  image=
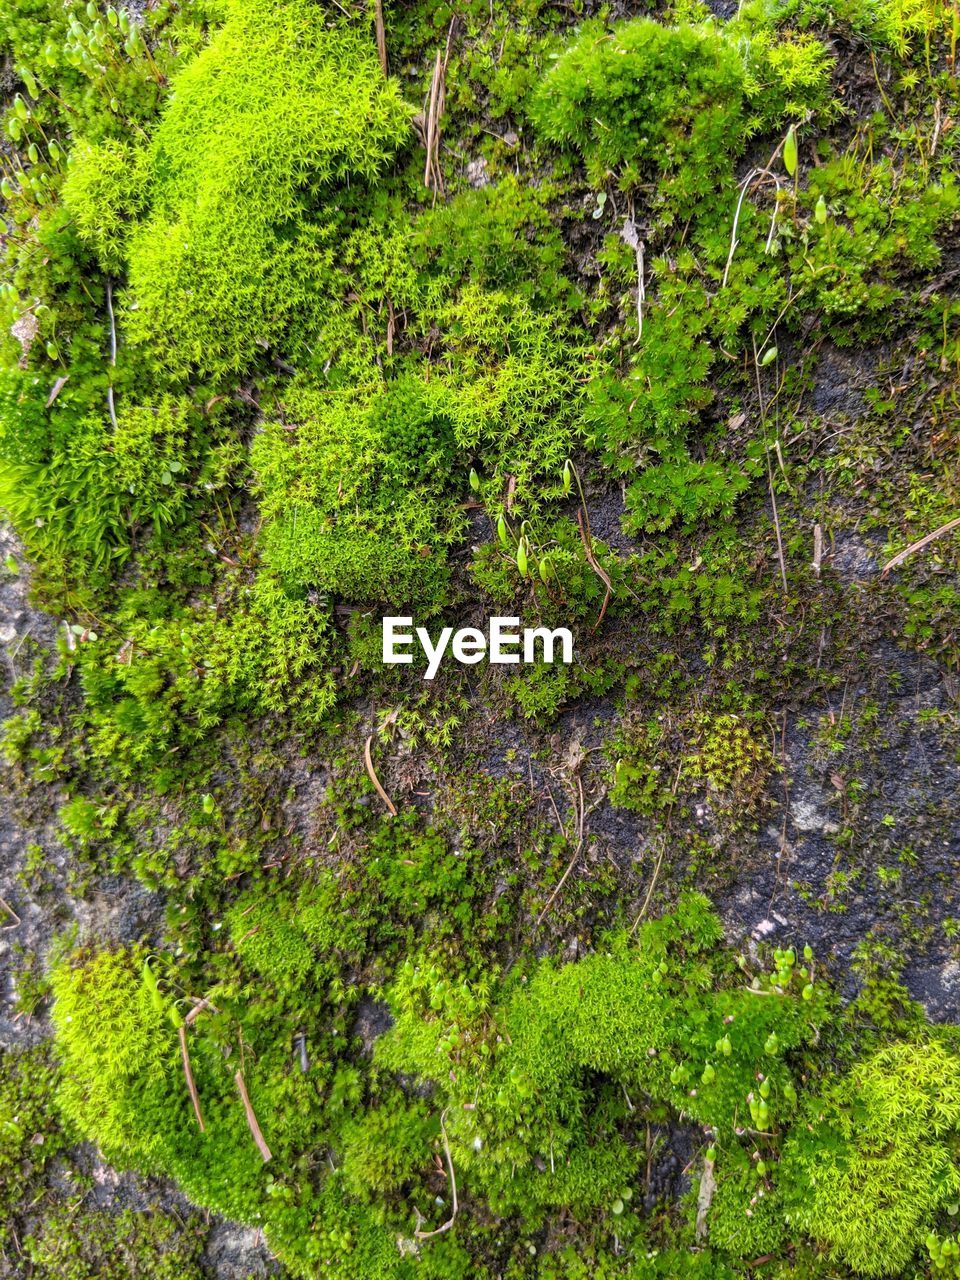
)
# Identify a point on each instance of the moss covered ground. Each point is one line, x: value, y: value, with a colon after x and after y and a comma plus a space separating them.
x: 639, y: 320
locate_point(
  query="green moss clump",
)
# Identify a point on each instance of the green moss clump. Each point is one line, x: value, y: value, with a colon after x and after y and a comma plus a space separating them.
x: 549, y: 1065
x: 352, y: 495
x: 359, y: 486
x: 648, y: 97
x: 387, y: 1147
x: 124, y: 1085
x: 104, y: 188
x: 111, y: 1035
x: 72, y: 1245
x: 30, y: 1134
x: 259, y: 129
x: 535, y: 1080
x: 890, y: 1126
x: 191, y: 672
x: 295, y: 941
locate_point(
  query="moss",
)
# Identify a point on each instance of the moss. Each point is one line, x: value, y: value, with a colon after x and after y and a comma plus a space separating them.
x: 276, y: 111
x: 345, y: 515
x: 107, y: 1017
x: 262, y: 378
x: 649, y: 96
x: 888, y: 1125
x: 75, y: 1245
x: 102, y: 191
x: 386, y: 1147
x: 529, y: 1063
x: 746, y: 1218
x: 30, y: 1135
x: 359, y: 495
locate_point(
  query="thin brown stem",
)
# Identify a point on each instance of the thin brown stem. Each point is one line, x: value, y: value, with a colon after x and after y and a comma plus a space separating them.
x: 381, y: 37
x: 372, y: 775
x: 15, y: 919
x: 773, y: 497
x: 254, y: 1127
x: 188, y: 1072
x: 899, y: 558
x: 595, y: 565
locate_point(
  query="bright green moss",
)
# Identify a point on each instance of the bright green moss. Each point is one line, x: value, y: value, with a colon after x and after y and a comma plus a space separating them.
x: 890, y: 1127
x: 190, y: 672
x: 647, y: 97
x: 260, y: 128
x: 360, y: 487
x: 124, y: 1085
x: 677, y: 1264
x: 102, y: 190
x: 549, y: 1067
x: 500, y: 236
x: 48, y: 465
x: 903, y: 27
x: 329, y: 378
x: 684, y: 493
x: 117, y: 1045
x: 536, y: 1082
x: 386, y: 1147
x: 271, y: 945
x: 678, y: 102
x: 746, y: 1218
x: 295, y: 941
x: 334, y: 1235
x: 352, y: 494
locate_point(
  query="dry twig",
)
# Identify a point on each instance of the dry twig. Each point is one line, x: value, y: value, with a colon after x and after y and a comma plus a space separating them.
x: 773, y: 497
x: 381, y: 37
x: 200, y: 1007
x: 57, y: 388
x: 187, y: 1071
x: 754, y: 175
x: 595, y: 565
x: 432, y: 176
x: 563, y: 879
x: 372, y: 775
x: 744, y: 187
x: 113, y: 353
x: 252, y: 1118
x: 581, y: 814
x: 631, y: 237
x: 13, y: 915
x: 653, y: 885
x: 899, y: 558
x: 425, y: 1235
x: 708, y: 1185
x: 663, y: 848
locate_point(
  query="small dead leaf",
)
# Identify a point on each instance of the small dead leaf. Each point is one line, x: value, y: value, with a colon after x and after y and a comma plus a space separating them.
x: 57, y: 388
